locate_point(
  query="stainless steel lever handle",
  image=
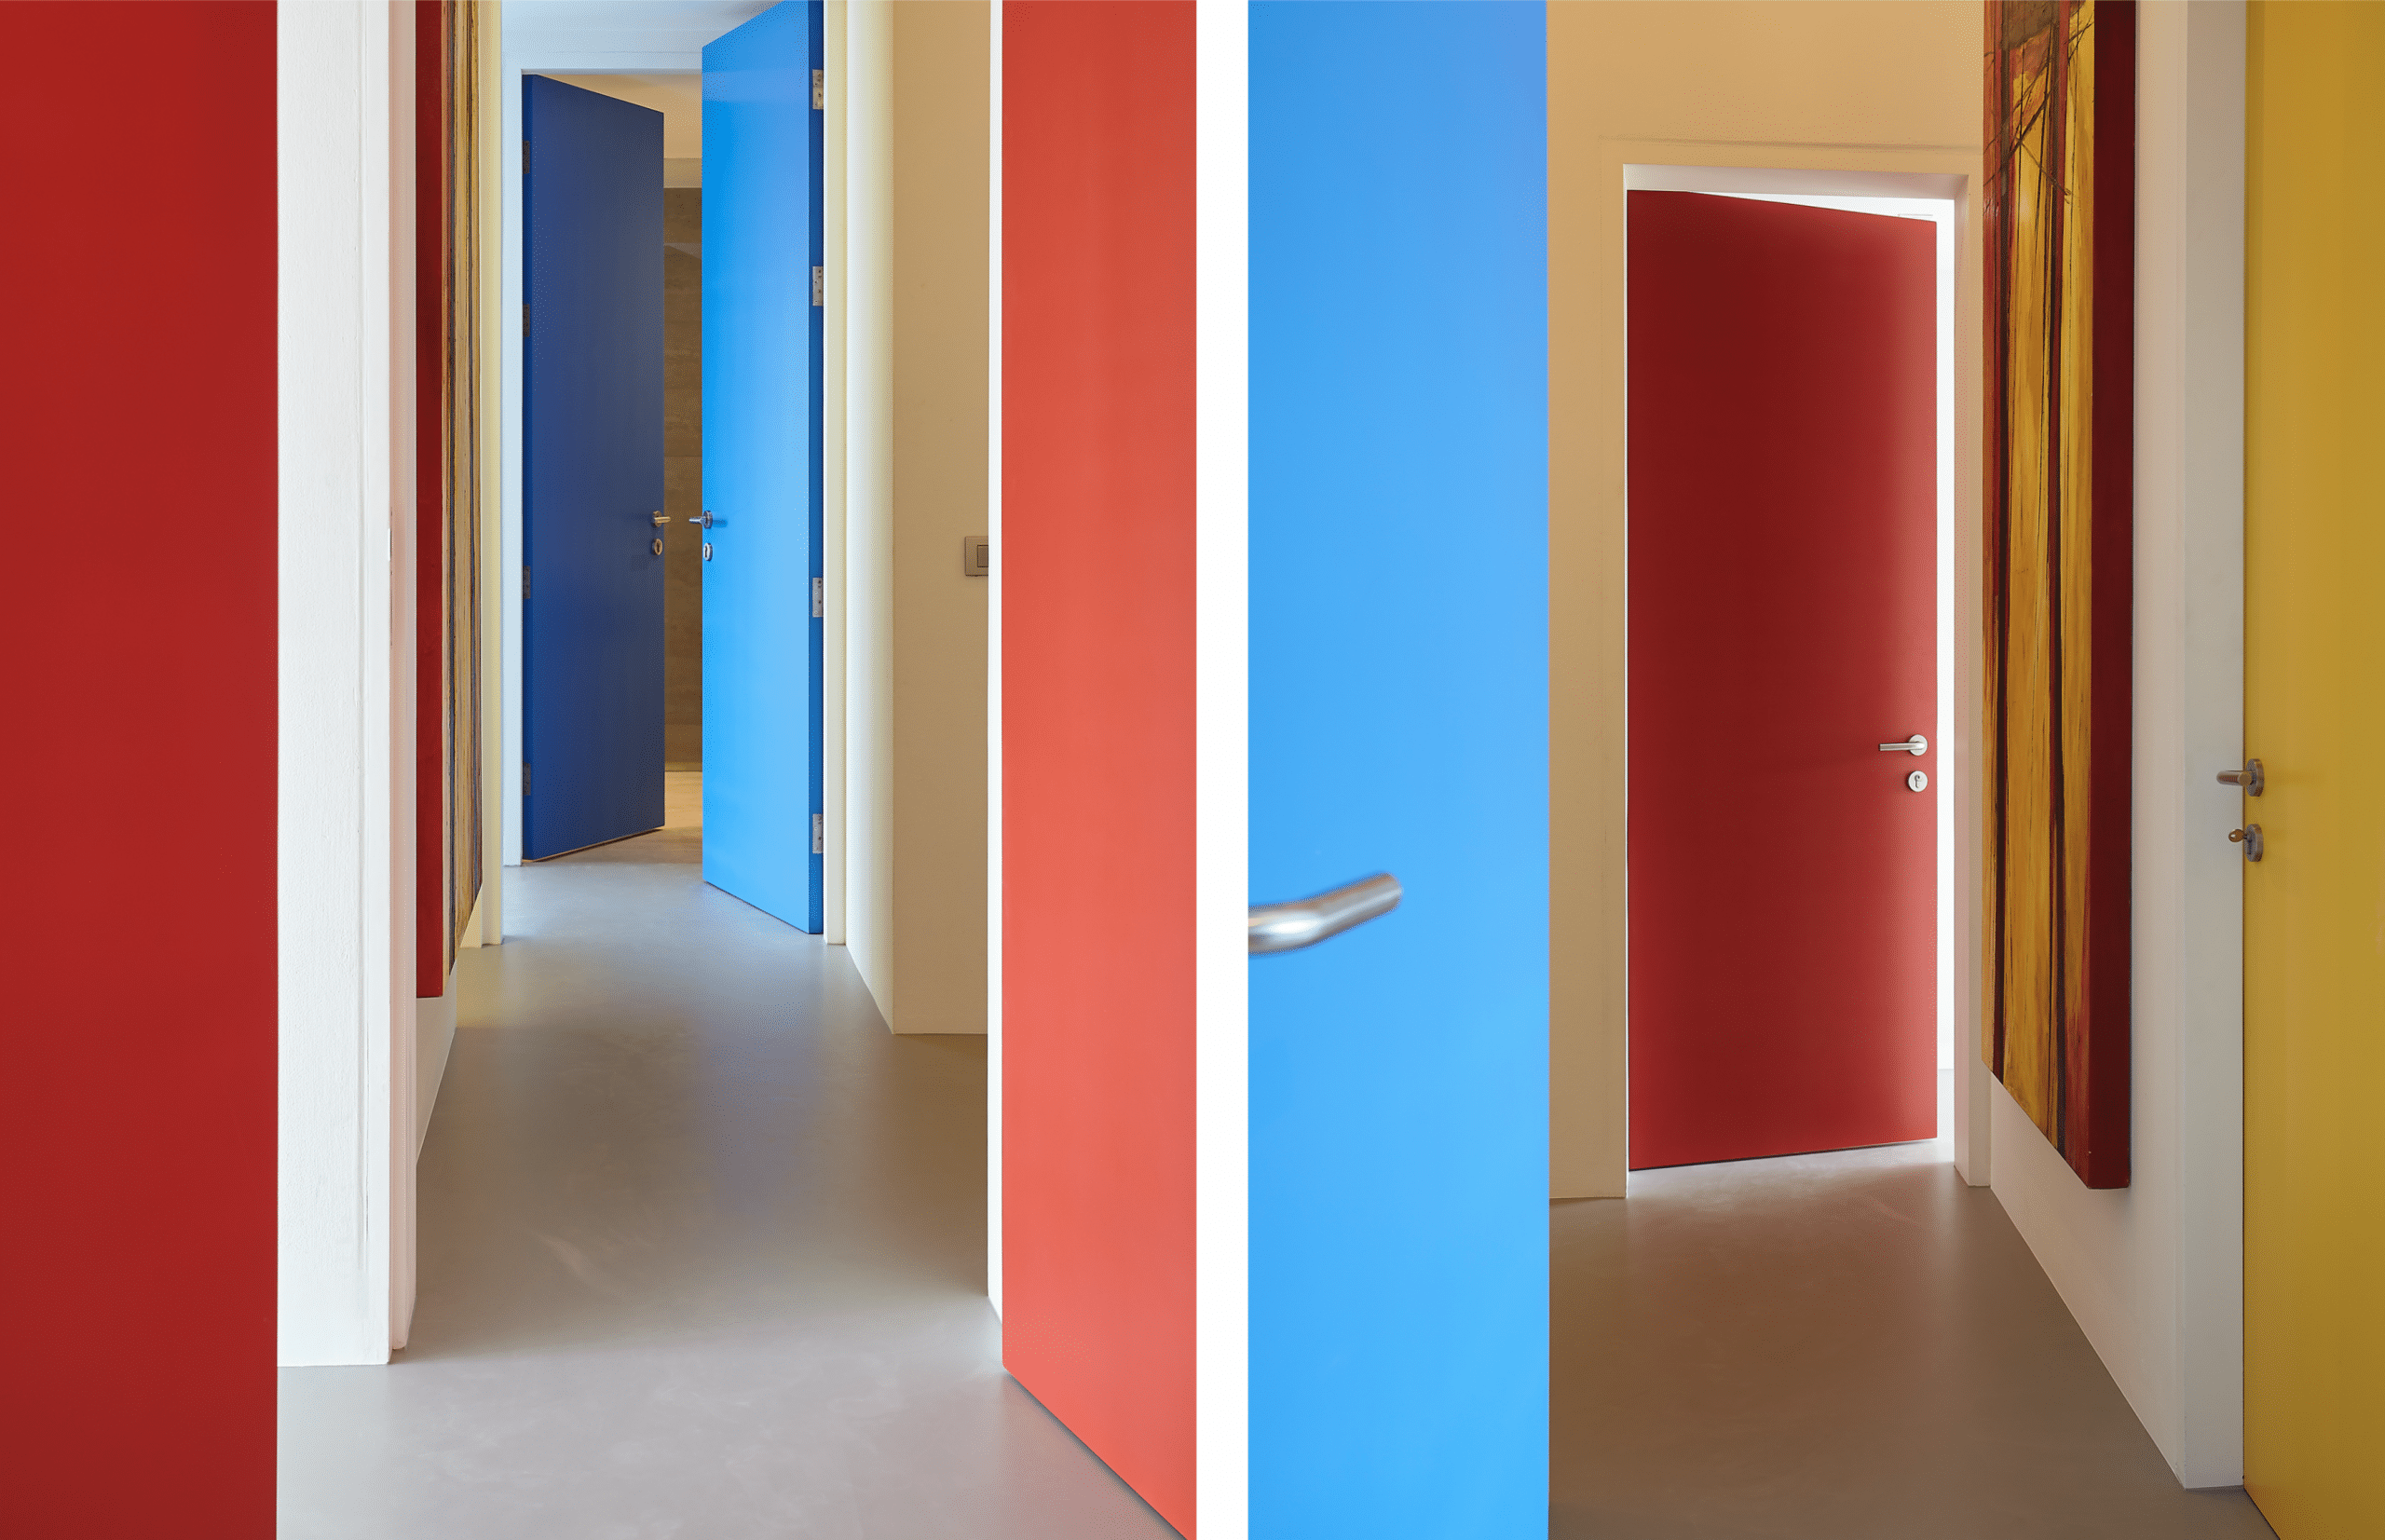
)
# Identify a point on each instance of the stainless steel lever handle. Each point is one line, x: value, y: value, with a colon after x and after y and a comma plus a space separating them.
x: 661, y: 518
x: 1915, y: 745
x: 1306, y: 922
x: 704, y: 520
x: 2250, y: 778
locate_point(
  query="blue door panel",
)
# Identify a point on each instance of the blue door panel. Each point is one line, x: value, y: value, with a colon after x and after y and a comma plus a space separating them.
x: 592, y: 480
x: 762, y: 425
x: 1398, y: 711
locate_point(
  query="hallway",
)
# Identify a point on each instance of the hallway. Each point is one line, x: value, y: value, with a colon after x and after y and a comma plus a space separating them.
x: 701, y: 1255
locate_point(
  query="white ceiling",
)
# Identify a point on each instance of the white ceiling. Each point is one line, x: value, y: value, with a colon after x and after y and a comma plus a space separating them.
x: 626, y: 37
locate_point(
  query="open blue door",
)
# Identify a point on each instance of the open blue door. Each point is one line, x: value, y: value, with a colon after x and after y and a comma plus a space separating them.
x: 592, y: 480
x: 762, y: 627
x: 1399, y: 1172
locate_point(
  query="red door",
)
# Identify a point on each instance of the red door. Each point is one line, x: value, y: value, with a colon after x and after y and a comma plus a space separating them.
x: 1782, y: 628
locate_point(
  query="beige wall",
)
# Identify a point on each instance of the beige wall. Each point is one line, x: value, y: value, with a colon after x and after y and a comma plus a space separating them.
x: 915, y: 713
x: 1826, y: 86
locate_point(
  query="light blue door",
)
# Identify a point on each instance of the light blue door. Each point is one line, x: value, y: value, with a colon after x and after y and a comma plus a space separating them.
x: 592, y: 480
x: 762, y: 337
x: 1398, y: 712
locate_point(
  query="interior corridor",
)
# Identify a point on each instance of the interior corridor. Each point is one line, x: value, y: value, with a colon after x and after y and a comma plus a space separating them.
x: 702, y: 1255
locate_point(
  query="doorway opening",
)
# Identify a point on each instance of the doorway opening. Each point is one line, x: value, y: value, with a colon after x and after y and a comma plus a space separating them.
x: 1730, y: 1088
x: 672, y: 523
x: 678, y: 96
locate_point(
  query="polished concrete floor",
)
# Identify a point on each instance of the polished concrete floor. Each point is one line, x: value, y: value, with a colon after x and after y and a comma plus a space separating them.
x: 1851, y: 1347
x: 702, y: 1257
x: 703, y: 1254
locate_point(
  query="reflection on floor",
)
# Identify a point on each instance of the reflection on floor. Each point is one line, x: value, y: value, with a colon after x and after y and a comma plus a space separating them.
x: 1851, y: 1347
x: 702, y: 1255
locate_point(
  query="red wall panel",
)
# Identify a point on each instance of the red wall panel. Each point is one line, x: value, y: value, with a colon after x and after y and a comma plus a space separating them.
x: 137, y: 1153
x: 1097, y: 725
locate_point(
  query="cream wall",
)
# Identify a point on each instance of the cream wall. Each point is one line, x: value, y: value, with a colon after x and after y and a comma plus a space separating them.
x: 915, y: 778
x: 2152, y: 1272
x: 1835, y: 89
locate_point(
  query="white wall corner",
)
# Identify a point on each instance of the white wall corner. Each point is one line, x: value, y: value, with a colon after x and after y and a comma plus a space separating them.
x: 836, y: 95
x: 507, y: 789
x: 2154, y: 1273
x: 496, y: 814
x: 1221, y: 770
x: 1974, y: 1124
x: 404, y: 536
x: 870, y: 499
x: 2207, y: 127
x: 994, y: 664
x: 345, y: 749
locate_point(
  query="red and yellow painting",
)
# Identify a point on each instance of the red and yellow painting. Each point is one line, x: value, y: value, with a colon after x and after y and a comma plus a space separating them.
x: 2058, y: 233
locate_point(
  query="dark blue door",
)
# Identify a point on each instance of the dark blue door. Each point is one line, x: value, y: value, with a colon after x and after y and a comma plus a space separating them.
x: 762, y: 636
x: 592, y: 480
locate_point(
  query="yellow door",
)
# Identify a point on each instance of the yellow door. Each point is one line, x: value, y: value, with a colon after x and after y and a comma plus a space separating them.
x: 2314, y: 698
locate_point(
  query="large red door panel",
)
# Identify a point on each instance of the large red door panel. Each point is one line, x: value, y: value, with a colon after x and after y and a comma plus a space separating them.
x: 1782, y: 627
x: 1097, y: 729
x: 137, y: 1156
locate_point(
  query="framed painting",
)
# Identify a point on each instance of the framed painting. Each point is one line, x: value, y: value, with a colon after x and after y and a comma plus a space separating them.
x: 2058, y: 233
x: 447, y: 470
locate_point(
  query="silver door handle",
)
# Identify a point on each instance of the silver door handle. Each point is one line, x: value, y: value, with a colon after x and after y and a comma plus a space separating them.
x: 2250, y: 778
x: 705, y: 520
x: 1306, y: 922
x: 1915, y: 745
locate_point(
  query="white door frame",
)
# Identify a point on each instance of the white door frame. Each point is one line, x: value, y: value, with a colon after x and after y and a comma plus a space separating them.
x: 345, y: 825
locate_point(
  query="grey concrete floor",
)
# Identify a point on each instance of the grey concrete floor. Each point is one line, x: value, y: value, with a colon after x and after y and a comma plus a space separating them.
x: 702, y: 1256
x: 1849, y: 1346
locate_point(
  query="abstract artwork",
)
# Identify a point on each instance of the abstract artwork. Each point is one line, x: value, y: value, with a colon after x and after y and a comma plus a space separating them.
x: 448, y: 476
x: 2058, y: 232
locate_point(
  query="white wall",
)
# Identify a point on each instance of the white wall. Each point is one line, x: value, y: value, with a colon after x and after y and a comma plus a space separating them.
x: 344, y: 771
x: 869, y: 496
x: 994, y: 662
x: 836, y: 99
x: 496, y: 813
x: 1221, y: 772
x: 2154, y: 1272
